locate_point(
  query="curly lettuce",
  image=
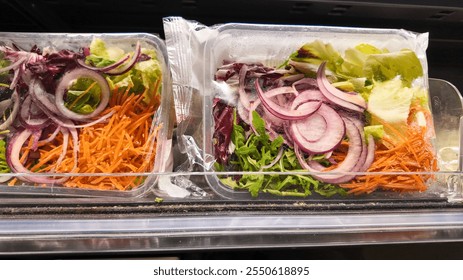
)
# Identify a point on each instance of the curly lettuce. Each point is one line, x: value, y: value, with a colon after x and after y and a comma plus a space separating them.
x: 144, y: 78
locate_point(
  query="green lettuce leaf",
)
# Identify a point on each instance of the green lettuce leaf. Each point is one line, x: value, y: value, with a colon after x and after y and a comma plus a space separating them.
x: 101, y: 55
x: 81, y: 99
x: 316, y: 52
x: 390, y: 102
x: 377, y: 131
x: 144, y: 78
x: 386, y: 66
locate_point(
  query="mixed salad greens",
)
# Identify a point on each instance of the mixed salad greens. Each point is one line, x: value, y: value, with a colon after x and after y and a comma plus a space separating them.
x: 330, y: 113
x: 85, y: 111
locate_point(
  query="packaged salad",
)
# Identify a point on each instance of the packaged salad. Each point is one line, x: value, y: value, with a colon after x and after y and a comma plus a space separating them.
x: 83, y: 114
x: 308, y: 111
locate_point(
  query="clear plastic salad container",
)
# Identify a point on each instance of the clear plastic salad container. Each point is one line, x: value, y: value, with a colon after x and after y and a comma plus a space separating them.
x: 93, y: 116
x: 268, y: 93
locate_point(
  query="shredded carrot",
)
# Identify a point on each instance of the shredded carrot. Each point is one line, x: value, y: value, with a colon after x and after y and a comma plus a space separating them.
x: 412, y: 155
x: 122, y: 144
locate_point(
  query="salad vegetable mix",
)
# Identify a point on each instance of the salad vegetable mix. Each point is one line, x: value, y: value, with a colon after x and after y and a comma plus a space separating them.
x: 86, y: 111
x: 330, y: 113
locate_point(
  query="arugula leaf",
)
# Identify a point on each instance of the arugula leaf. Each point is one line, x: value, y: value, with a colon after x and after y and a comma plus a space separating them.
x: 252, y: 182
x: 257, y: 151
x: 329, y: 190
x: 230, y: 182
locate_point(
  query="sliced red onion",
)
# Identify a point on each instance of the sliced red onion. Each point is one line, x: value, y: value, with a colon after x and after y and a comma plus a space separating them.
x: 44, y: 100
x: 15, y: 98
x: 359, y: 125
x: 55, y: 117
x: 279, y: 91
x: 330, y: 139
x: 223, y: 74
x: 4, y: 105
x: 312, y: 128
x: 66, y: 82
x: 272, y: 134
x: 34, y: 124
x: 336, y: 176
x: 63, y: 150
x: 14, y: 65
x: 13, y: 154
x: 292, y: 78
x: 350, y: 101
x: 302, y: 112
x: 304, y: 84
x: 17, y: 73
x: 287, y: 135
x: 243, y: 112
x: 35, y: 144
x: 271, y: 120
x: 253, y: 107
x: 30, y: 117
x: 50, y: 138
x: 4, y: 178
x: 127, y: 66
x: 75, y: 141
x: 106, y: 68
x: 363, y: 155
x: 274, y: 161
x: 308, y: 95
x: 370, y: 154
x: 99, y: 120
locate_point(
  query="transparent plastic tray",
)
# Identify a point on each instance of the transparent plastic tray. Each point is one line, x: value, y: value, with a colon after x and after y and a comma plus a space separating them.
x: 272, y: 44
x: 162, y: 118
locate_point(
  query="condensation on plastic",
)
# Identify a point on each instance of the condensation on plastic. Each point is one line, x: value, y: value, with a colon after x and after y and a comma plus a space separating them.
x: 196, y: 51
x: 126, y: 41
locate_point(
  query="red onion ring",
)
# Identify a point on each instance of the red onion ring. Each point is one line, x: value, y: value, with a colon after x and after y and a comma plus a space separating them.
x: 308, y: 95
x: 370, y: 154
x: 50, y: 138
x: 331, y: 137
x: 13, y: 161
x: 302, y: 112
x: 65, y: 82
x: 336, y: 176
x: 116, y: 64
x: 274, y: 161
x: 64, y: 150
x: 127, y: 66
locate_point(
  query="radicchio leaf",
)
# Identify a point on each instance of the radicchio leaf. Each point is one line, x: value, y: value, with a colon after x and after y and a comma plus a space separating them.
x: 53, y: 66
x: 223, y: 117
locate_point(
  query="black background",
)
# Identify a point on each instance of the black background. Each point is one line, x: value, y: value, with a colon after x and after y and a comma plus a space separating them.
x: 442, y: 19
